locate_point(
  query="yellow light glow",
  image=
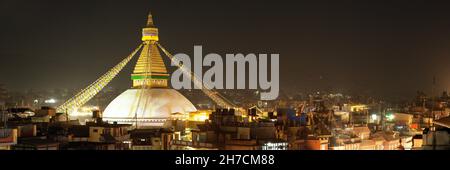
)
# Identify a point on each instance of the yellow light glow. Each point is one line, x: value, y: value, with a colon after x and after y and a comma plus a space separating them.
x: 357, y: 108
x: 150, y: 38
x: 199, y: 116
x: 84, y: 111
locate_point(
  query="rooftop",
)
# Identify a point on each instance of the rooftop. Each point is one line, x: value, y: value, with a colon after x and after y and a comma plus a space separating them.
x: 79, y: 131
x: 106, y: 125
x: 37, y: 142
x: 445, y: 122
x: 148, y: 133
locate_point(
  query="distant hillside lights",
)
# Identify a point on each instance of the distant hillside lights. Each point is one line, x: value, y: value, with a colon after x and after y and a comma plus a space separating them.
x: 213, y: 77
x: 49, y: 101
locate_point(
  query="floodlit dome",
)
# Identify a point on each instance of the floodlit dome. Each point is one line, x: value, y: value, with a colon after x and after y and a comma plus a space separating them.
x: 152, y: 106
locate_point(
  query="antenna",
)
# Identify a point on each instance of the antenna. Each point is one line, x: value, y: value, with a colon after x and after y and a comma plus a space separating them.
x: 432, y: 113
x: 4, y: 117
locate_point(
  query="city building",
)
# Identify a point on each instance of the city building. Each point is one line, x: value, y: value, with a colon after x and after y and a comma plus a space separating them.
x: 438, y: 136
x: 99, y: 136
x: 391, y: 140
x: 8, y: 138
x: 40, y: 143
x: 152, y: 139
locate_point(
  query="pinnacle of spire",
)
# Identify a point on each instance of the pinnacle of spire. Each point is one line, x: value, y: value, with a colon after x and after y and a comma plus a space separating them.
x: 150, y: 32
x: 150, y: 20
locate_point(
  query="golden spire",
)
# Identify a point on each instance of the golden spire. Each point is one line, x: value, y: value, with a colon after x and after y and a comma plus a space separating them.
x: 150, y: 32
x: 150, y: 20
x: 150, y: 70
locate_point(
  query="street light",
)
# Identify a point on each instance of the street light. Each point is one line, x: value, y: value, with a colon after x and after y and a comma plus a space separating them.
x: 374, y: 117
x: 390, y: 117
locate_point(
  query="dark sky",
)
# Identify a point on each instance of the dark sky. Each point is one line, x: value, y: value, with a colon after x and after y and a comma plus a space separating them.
x: 388, y: 48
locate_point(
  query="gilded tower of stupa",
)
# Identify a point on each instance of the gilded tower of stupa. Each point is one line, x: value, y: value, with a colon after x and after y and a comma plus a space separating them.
x: 150, y: 70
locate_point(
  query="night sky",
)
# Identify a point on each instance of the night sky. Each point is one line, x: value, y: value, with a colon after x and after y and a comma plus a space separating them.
x: 376, y: 47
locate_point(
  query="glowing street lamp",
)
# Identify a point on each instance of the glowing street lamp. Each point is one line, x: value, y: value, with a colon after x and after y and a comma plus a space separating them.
x: 374, y: 117
x: 390, y: 117
x: 50, y: 101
